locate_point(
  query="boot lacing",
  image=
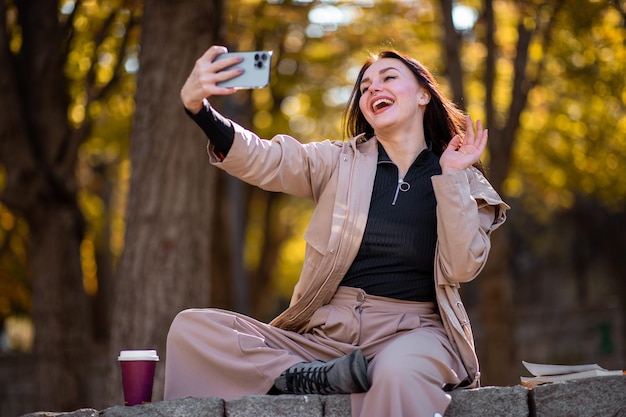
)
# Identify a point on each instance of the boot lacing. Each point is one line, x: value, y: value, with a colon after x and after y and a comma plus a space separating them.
x: 309, y: 380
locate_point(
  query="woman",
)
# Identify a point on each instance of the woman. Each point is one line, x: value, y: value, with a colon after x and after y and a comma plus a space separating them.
x: 403, y: 215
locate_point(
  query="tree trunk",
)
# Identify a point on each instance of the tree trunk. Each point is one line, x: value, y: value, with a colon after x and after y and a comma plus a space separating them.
x: 452, y: 42
x: 38, y: 152
x: 497, y: 349
x: 496, y: 306
x: 231, y: 286
x: 165, y: 265
x: 60, y: 309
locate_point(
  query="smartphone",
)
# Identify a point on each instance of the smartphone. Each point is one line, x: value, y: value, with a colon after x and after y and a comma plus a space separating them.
x: 256, y: 70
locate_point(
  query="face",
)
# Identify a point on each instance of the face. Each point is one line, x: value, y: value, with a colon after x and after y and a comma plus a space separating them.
x: 391, y: 97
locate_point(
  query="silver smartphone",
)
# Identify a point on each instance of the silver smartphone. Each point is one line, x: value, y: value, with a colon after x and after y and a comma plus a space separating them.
x: 256, y: 69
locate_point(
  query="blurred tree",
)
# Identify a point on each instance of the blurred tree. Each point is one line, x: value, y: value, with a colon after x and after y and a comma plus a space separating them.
x: 523, y: 46
x: 41, y: 130
x: 527, y: 46
x: 570, y: 154
x: 164, y: 267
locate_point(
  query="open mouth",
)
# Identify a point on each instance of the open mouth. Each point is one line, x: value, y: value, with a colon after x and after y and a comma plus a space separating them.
x: 381, y: 104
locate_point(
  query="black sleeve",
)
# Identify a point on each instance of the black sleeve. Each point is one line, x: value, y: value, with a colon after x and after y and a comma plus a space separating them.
x: 216, y: 127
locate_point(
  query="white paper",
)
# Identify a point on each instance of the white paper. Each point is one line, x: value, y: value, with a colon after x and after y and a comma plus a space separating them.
x: 539, y: 369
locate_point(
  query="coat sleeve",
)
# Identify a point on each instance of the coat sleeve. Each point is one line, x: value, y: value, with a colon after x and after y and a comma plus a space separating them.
x: 468, y: 210
x: 281, y: 164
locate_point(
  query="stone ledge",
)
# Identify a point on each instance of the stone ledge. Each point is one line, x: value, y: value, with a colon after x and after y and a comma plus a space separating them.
x: 593, y: 397
x: 601, y: 396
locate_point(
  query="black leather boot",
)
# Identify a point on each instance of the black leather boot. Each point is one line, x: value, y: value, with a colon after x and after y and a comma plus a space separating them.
x: 344, y: 375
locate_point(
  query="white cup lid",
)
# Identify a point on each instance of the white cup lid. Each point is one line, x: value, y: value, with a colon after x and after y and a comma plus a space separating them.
x: 138, y: 355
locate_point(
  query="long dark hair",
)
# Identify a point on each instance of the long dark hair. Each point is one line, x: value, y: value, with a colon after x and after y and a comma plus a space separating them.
x: 442, y: 118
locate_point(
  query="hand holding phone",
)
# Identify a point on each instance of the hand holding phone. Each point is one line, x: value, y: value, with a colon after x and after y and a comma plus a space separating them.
x: 256, y: 67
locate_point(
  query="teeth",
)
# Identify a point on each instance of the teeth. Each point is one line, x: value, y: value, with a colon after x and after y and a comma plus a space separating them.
x: 380, y: 103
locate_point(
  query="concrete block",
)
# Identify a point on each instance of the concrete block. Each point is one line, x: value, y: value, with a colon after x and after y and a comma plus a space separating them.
x: 489, y: 402
x: 182, y: 407
x: 275, y: 406
x: 591, y: 397
x: 336, y: 405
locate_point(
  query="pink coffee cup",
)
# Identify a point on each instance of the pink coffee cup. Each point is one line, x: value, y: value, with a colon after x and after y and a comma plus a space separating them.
x: 138, y: 368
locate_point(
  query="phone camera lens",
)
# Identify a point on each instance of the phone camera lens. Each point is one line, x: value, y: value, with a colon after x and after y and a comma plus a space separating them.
x: 260, y: 59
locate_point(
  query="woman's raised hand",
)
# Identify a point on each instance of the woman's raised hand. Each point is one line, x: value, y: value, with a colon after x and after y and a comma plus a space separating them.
x: 206, y: 73
x: 462, y: 153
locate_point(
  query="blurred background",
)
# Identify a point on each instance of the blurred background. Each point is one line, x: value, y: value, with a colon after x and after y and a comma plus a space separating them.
x: 112, y: 220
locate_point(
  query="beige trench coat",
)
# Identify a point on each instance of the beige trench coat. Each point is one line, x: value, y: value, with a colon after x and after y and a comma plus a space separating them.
x: 339, y: 177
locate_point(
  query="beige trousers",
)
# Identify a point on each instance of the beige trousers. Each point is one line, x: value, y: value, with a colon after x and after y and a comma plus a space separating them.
x: 215, y: 353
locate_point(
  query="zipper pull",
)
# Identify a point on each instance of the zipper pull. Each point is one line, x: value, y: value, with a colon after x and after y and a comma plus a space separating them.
x: 402, y: 186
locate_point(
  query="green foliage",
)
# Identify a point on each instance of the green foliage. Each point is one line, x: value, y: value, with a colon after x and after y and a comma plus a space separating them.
x: 100, y: 66
x: 572, y: 139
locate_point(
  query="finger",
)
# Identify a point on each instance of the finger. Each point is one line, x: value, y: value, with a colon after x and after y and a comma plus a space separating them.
x: 483, y: 142
x: 218, y: 70
x: 481, y: 135
x: 479, y: 129
x: 209, y: 62
x: 454, y: 143
x: 201, y: 83
x: 225, y: 75
x: 213, y: 52
x: 221, y: 64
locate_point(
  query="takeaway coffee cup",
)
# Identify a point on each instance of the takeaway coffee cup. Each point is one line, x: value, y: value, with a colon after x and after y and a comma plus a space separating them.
x: 138, y: 368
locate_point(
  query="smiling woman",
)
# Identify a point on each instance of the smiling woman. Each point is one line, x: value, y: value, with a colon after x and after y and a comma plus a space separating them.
x: 434, y: 119
x: 402, y: 217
